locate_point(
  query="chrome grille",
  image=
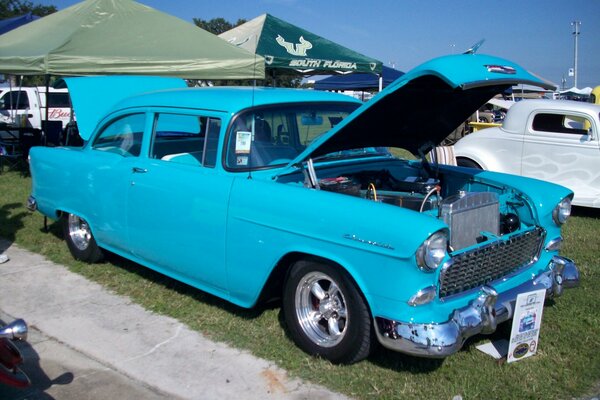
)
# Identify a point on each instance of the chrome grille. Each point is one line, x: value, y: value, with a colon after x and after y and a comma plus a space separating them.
x: 477, y: 267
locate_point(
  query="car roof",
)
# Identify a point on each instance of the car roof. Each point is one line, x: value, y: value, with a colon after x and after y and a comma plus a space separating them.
x: 96, y: 97
x: 520, y: 111
x: 534, y: 104
x: 228, y: 99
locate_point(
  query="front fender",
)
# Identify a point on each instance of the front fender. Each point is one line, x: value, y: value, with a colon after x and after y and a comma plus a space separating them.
x: 541, y: 195
x: 374, y: 242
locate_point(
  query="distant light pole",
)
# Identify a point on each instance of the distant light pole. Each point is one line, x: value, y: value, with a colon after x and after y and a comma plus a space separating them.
x: 575, y: 25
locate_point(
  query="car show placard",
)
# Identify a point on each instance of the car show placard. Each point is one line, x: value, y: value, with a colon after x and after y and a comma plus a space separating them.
x: 527, y: 319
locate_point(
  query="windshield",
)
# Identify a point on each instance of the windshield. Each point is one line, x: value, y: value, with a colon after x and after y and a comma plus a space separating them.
x: 275, y: 135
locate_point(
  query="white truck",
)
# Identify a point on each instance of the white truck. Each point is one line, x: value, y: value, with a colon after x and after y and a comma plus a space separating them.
x: 26, y: 106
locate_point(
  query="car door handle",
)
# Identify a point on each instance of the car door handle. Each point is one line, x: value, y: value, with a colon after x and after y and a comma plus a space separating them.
x: 138, y: 170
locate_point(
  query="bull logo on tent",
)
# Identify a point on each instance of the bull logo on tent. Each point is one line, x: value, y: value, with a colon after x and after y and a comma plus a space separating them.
x: 295, y: 49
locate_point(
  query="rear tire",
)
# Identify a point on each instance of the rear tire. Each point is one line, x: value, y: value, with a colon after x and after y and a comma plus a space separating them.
x: 326, y: 314
x: 80, y: 240
x: 465, y: 162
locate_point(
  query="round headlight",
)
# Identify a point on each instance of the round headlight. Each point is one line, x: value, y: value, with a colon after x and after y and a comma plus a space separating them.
x: 562, y: 211
x: 433, y: 251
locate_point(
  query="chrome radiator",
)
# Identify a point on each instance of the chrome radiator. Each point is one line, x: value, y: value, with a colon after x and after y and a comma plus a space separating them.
x: 470, y: 214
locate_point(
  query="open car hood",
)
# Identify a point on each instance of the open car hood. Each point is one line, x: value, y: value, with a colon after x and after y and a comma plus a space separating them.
x: 424, y: 106
x: 93, y: 97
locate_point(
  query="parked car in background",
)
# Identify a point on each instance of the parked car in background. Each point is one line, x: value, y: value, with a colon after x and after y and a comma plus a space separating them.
x: 553, y: 140
x: 26, y: 106
x: 595, y: 95
x: 254, y: 193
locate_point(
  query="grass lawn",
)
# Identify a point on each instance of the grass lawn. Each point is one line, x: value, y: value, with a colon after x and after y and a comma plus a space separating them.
x: 567, y: 364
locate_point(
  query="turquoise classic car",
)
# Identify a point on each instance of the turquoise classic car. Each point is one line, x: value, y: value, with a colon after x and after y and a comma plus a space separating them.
x: 259, y: 193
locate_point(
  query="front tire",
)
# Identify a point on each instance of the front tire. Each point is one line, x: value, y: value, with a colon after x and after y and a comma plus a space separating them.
x: 326, y: 314
x: 80, y: 240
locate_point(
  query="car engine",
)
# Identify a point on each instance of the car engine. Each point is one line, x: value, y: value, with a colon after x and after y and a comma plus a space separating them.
x: 473, y: 212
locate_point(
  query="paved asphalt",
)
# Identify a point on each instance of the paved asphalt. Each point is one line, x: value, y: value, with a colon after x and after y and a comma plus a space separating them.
x: 87, y: 343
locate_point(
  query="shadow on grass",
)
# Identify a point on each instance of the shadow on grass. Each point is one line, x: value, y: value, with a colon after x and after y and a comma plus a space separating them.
x: 382, y: 357
x: 181, y: 288
x: 10, y: 224
x: 389, y: 359
x: 586, y: 212
x: 385, y: 358
x: 55, y: 229
x: 168, y: 283
x: 416, y: 365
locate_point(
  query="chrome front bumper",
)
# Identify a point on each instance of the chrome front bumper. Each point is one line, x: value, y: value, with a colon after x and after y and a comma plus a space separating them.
x: 482, y: 315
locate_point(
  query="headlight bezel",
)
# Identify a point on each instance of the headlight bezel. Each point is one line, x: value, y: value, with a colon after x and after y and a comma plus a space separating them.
x: 562, y: 211
x: 432, y: 252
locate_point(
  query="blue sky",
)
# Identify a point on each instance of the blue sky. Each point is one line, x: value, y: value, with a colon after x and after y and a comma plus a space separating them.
x: 404, y: 33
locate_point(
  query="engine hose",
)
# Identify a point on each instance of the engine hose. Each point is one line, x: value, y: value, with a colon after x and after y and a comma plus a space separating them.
x: 371, y: 189
x: 428, y: 195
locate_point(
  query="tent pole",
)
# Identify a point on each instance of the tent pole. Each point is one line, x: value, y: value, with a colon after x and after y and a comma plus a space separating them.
x: 47, y: 90
x: 10, y: 98
x: 45, y: 125
x: 16, y: 110
x: 380, y: 82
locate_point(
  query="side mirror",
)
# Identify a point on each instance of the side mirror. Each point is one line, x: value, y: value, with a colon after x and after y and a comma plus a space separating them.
x: 16, y: 330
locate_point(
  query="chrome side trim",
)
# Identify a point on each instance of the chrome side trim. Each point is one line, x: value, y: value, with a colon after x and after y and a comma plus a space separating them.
x: 481, y: 315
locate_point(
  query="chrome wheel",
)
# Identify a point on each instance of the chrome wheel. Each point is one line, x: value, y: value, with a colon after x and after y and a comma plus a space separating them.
x: 321, y: 309
x: 79, y: 232
x: 80, y: 240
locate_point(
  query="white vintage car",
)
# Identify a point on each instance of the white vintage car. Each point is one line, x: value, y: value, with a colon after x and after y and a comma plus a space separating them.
x: 553, y: 140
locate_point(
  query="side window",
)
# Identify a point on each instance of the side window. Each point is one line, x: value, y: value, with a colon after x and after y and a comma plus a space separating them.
x: 211, y: 145
x: 122, y: 136
x: 185, y: 139
x: 14, y: 100
x: 59, y: 99
x: 561, y: 123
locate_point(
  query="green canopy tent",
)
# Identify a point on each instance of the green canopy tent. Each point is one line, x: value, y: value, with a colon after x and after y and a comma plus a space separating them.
x: 287, y: 48
x: 105, y: 37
